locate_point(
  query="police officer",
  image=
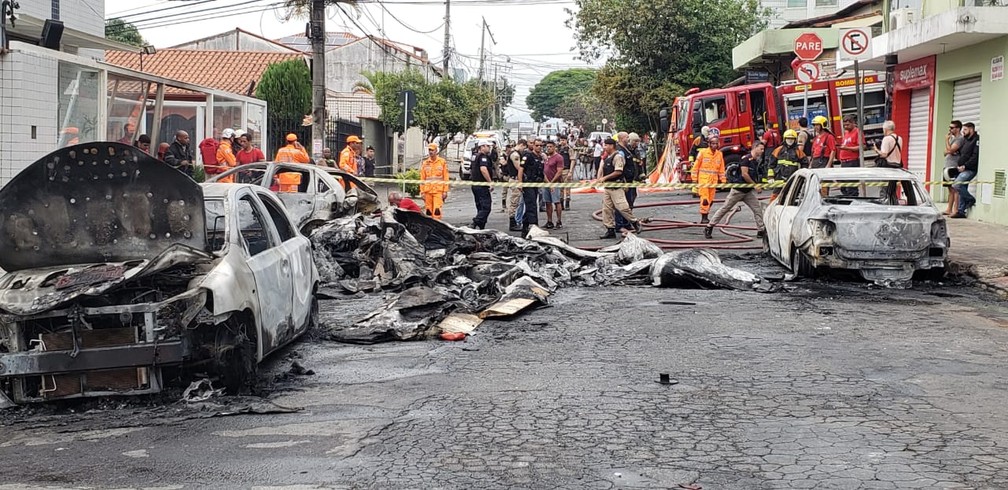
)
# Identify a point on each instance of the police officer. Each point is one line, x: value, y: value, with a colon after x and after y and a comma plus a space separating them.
x: 787, y: 158
x: 627, y: 145
x: 481, y: 171
x: 615, y: 199
x: 531, y: 171
x: 565, y: 151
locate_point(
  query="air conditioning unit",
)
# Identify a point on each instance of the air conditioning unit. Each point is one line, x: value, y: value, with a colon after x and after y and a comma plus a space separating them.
x: 902, y: 17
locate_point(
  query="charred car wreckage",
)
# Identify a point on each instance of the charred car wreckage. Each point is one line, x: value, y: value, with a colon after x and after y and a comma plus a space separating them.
x: 312, y: 194
x: 121, y: 270
x: 885, y: 226
x: 120, y: 267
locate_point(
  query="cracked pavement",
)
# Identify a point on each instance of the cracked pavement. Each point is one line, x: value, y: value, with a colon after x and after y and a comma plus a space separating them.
x: 830, y: 386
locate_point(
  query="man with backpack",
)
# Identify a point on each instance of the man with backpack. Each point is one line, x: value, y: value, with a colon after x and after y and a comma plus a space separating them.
x: 627, y: 144
x: 744, y: 172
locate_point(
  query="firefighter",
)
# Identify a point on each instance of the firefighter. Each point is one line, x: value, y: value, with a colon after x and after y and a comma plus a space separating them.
x: 787, y: 158
x: 709, y: 170
x: 698, y: 143
x: 434, y: 169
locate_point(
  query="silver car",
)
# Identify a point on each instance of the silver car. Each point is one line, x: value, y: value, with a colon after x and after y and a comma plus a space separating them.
x: 119, y: 267
x: 886, y: 233
x: 312, y: 194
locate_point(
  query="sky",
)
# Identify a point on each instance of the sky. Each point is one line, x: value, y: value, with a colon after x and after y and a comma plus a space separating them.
x: 529, y: 33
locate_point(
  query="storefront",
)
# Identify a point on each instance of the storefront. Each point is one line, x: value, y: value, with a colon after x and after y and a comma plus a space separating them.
x: 913, y: 99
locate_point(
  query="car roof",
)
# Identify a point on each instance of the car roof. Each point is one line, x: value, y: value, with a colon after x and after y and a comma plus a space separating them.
x: 860, y: 173
x: 217, y: 190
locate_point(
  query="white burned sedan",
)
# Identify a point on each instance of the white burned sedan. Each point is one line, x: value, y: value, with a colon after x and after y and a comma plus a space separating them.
x: 119, y: 268
x: 890, y: 230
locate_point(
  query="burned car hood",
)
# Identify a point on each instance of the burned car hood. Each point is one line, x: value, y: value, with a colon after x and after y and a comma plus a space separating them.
x: 96, y: 203
x: 31, y: 291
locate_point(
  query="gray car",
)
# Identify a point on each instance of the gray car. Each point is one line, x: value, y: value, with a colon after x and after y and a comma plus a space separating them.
x: 886, y: 233
x: 119, y: 268
x: 312, y: 194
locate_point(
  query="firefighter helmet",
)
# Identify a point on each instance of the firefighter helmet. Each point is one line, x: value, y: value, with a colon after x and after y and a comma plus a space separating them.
x: 790, y: 134
x: 820, y: 120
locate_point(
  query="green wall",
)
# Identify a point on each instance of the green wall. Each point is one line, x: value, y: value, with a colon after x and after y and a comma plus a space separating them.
x: 965, y: 63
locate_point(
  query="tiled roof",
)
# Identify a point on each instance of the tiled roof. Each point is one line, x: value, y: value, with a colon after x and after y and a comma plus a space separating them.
x: 230, y: 71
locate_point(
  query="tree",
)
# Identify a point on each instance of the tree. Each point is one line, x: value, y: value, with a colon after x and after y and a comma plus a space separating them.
x: 546, y: 95
x: 443, y: 107
x: 287, y: 89
x: 124, y: 32
x: 658, y: 48
x: 583, y: 109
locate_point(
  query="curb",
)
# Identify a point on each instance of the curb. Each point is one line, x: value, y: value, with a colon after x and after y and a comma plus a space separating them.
x: 956, y: 268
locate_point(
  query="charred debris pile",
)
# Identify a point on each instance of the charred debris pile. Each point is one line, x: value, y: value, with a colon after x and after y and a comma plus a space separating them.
x: 433, y: 278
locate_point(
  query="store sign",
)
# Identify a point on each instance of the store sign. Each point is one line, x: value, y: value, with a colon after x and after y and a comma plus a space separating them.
x: 997, y: 68
x: 915, y: 74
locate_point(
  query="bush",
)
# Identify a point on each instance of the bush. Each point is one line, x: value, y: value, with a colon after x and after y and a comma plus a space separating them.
x: 412, y: 174
x: 199, y: 174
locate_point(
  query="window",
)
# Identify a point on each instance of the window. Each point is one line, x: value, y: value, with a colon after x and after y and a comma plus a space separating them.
x: 280, y: 220
x: 714, y: 109
x: 79, y: 89
x: 742, y: 105
x: 254, y: 230
x: 293, y: 180
x: 798, y: 193
x: 215, y: 224
x: 825, y: 3
x: 797, y: 3
x: 782, y: 196
x: 322, y: 187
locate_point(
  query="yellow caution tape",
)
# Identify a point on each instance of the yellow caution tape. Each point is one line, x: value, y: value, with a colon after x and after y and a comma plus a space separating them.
x: 635, y: 185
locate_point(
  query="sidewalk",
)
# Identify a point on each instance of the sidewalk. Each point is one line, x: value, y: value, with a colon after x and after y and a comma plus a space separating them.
x: 979, y: 249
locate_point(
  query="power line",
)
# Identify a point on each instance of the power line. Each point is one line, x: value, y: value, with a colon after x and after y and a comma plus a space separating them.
x: 199, y: 15
x: 184, y: 5
x: 407, y: 25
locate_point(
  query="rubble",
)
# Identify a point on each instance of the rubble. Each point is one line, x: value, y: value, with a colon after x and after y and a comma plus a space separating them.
x: 439, y: 278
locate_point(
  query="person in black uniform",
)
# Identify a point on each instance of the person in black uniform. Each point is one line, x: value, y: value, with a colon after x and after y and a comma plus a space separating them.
x: 531, y: 171
x: 482, y: 171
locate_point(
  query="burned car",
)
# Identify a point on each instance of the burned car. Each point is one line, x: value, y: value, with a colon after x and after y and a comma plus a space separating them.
x: 312, y: 194
x: 120, y: 268
x: 886, y: 232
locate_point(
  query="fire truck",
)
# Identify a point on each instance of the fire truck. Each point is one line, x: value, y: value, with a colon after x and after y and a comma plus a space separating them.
x: 747, y: 113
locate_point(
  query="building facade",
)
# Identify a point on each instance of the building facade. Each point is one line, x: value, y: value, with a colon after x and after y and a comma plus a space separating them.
x: 949, y: 59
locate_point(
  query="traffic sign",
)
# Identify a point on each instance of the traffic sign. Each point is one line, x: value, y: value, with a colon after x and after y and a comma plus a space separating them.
x: 855, y: 44
x: 808, y: 46
x: 807, y: 72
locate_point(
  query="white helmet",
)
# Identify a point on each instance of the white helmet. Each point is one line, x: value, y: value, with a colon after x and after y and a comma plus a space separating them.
x: 227, y: 133
x: 480, y: 143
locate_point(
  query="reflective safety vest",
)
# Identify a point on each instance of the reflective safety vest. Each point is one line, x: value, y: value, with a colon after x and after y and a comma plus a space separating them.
x: 788, y: 160
x: 289, y: 181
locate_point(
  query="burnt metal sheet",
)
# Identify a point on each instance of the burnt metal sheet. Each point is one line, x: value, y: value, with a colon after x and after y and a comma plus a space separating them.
x: 34, y: 363
x: 97, y: 202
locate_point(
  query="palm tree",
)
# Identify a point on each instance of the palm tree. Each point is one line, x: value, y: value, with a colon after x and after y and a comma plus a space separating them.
x: 302, y: 8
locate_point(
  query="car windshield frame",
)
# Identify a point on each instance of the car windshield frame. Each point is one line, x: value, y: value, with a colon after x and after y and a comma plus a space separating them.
x: 886, y: 195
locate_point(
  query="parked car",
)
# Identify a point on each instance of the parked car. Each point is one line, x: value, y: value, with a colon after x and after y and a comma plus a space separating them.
x: 599, y: 136
x: 885, y: 235
x: 470, y: 146
x: 312, y: 194
x: 119, y: 268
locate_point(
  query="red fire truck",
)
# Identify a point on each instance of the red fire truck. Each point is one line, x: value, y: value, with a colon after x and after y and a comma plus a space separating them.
x: 747, y: 113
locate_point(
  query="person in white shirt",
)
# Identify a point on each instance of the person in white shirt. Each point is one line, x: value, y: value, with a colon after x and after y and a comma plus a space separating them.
x: 596, y: 156
x: 891, y: 146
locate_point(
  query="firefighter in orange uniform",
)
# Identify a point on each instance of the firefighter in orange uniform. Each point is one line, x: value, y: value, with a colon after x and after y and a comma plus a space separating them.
x: 348, y: 157
x: 434, y: 169
x: 225, y: 155
x: 708, y: 170
x: 293, y: 152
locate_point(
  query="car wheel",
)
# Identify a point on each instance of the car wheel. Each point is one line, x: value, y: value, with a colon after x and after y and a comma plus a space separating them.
x: 313, y: 313
x: 238, y: 363
x: 801, y: 264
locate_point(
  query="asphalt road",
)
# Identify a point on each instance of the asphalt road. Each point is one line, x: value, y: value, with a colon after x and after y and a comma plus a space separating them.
x: 830, y: 384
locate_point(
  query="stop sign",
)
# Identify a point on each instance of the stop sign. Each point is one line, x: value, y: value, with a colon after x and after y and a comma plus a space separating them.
x: 808, y: 46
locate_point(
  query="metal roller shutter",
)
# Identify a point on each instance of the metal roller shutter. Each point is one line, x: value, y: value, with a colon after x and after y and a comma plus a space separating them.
x: 920, y: 117
x: 966, y: 101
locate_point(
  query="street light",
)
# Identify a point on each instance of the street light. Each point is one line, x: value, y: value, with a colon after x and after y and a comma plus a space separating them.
x: 146, y: 49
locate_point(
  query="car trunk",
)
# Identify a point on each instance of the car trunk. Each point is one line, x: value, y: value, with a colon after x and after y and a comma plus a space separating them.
x: 890, y: 228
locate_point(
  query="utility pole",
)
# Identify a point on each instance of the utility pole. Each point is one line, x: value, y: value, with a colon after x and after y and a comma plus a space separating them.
x: 317, y: 33
x: 447, y: 33
x: 483, y: 33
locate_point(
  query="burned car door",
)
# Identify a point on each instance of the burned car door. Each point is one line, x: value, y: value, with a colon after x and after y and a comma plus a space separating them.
x: 296, y: 189
x: 271, y: 269
x: 788, y: 210
x: 297, y: 250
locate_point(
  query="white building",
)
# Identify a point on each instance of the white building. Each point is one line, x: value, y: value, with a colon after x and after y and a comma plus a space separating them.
x: 52, y: 97
x: 787, y: 11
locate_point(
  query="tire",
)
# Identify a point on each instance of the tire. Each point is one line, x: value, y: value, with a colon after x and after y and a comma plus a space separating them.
x: 238, y: 363
x: 801, y: 264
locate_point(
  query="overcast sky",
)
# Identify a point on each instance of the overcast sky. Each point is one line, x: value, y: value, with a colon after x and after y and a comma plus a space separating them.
x: 530, y: 32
